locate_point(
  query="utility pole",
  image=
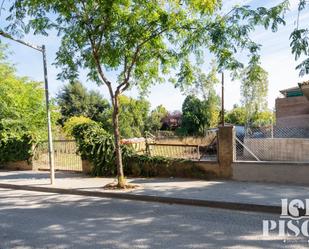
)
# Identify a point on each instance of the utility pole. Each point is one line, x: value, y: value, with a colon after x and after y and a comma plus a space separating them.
x: 49, y: 130
x: 222, y: 99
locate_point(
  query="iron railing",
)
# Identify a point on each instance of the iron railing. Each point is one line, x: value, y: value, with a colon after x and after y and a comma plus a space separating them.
x: 182, y: 151
x: 65, y: 155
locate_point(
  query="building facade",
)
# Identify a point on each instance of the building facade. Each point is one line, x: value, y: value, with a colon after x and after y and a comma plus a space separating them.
x: 292, y: 110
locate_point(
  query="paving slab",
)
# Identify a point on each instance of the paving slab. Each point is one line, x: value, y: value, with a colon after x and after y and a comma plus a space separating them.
x: 219, y: 191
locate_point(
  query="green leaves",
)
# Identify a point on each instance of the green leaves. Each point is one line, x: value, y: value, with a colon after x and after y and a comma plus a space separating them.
x: 140, y: 40
x: 154, y: 120
x: 198, y: 115
x: 132, y: 116
x: 299, y: 42
x: 97, y: 146
x: 22, y: 113
x: 22, y: 105
x: 254, y: 89
x: 75, y: 100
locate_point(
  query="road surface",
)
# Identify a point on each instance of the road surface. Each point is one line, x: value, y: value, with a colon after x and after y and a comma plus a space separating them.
x: 46, y: 220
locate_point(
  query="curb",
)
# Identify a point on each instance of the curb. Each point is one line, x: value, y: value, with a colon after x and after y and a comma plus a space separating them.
x: 152, y: 198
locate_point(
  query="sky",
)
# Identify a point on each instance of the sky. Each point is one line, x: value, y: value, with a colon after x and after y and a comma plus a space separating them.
x: 276, y: 59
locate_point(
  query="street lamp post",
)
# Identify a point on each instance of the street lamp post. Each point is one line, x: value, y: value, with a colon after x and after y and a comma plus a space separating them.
x: 50, y: 140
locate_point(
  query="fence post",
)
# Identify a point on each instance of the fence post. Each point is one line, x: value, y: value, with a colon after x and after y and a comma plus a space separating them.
x: 226, y: 149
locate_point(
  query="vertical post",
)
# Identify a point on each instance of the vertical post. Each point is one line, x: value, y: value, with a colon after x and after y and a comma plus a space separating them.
x: 198, y: 153
x: 226, y: 149
x: 50, y: 139
x: 222, y: 99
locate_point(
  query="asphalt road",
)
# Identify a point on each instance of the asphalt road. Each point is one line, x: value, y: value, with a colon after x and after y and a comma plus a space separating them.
x: 42, y: 220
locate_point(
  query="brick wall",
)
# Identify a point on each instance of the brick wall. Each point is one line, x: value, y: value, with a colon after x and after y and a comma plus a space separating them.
x: 292, y: 112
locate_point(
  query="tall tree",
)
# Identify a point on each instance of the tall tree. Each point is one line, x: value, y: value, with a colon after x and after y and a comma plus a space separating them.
x: 133, y: 115
x: 196, y: 116
x: 203, y: 84
x: 141, y: 40
x: 75, y: 100
x: 155, y: 119
x: 254, y: 89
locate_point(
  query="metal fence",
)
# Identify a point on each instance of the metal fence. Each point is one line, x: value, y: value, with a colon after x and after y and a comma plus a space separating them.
x: 65, y: 156
x: 272, y: 144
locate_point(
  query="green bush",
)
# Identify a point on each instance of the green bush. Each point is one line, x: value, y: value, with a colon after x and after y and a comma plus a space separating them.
x: 97, y: 146
x: 74, y: 121
x: 145, y: 166
x: 16, y: 148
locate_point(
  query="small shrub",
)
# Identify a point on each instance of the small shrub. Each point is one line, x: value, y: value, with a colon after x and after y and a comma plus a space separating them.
x: 74, y: 121
x: 97, y: 146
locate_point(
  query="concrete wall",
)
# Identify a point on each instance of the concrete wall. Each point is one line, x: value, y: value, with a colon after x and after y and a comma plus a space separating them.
x: 279, y: 172
x: 278, y: 149
x: 292, y: 112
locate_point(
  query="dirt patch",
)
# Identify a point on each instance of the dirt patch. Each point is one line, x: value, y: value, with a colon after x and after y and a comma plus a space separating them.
x: 114, y: 186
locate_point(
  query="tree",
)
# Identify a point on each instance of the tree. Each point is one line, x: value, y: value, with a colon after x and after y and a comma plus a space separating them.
x: 133, y: 115
x: 75, y: 100
x: 254, y: 89
x: 300, y: 41
x: 22, y: 113
x: 141, y: 40
x: 196, y: 115
x: 22, y: 105
x: 203, y: 85
x: 236, y: 116
x: 263, y: 118
x: 155, y: 119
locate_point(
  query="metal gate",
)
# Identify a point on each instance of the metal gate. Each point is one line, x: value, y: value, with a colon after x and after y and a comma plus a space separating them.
x: 65, y: 155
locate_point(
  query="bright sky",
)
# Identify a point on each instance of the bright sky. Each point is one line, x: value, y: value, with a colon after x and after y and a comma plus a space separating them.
x: 276, y: 56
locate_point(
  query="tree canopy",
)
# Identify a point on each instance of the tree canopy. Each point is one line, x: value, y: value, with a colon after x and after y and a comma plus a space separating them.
x: 133, y: 116
x: 197, y: 115
x: 155, y: 119
x: 22, y: 113
x: 22, y: 105
x: 254, y: 90
x: 238, y: 116
x: 300, y: 41
x: 75, y: 100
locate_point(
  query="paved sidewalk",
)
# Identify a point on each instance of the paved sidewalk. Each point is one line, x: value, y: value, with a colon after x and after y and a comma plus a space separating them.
x: 217, y: 191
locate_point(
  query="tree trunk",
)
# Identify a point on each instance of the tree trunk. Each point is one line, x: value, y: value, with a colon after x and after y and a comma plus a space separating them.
x: 120, y: 175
